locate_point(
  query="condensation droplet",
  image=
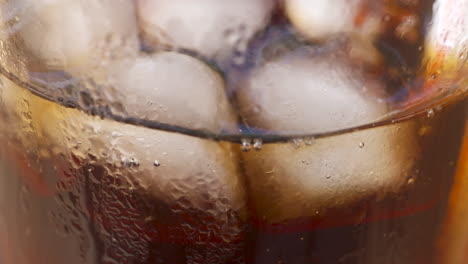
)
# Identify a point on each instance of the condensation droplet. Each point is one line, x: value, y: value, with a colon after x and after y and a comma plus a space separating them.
x: 362, y: 144
x: 130, y: 163
x: 430, y: 113
x: 246, y: 145
x: 298, y: 142
x: 328, y: 176
x: 157, y: 163
x: 258, y: 143
x: 410, y: 181
x: 309, y: 141
x: 116, y: 134
x: 302, y: 238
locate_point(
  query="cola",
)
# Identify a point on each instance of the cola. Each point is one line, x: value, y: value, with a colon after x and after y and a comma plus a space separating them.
x: 241, y: 132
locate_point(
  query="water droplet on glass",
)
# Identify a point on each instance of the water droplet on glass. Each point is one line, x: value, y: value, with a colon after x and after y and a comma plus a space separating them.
x: 130, y: 163
x: 430, y: 113
x: 297, y: 142
x: 410, y: 181
x: 361, y: 145
x: 309, y: 141
x: 257, y: 144
x: 157, y: 163
x: 246, y: 145
x: 116, y: 134
x: 328, y: 176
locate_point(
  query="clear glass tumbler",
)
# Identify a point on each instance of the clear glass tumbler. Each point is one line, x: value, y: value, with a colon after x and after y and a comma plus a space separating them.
x: 233, y: 132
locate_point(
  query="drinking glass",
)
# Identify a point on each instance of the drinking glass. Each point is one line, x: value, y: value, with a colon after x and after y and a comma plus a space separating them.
x: 233, y: 132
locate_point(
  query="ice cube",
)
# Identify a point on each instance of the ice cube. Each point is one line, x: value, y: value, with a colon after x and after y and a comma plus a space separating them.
x: 69, y: 35
x: 302, y: 93
x: 210, y: 27
x: 192, y: 202
x: 172, y: 88
x: 321, y: 19
x: 305, y: 88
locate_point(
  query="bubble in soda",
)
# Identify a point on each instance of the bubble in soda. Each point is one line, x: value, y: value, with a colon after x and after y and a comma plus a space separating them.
x: 157, y: 163
x: 257, y: 144
x: 246, y: 145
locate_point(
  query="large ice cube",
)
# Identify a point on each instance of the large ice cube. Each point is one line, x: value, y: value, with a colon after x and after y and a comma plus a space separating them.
x: 210, y: 27
x: 304, y: 93
x: 309, y: 93
x: 69, y: 35
x: 172, y: 88
x: 158, y: 195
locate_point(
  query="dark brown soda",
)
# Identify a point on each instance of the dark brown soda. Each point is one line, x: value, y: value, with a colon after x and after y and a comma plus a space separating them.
x: 58, y: 209
x: 402, y: 228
